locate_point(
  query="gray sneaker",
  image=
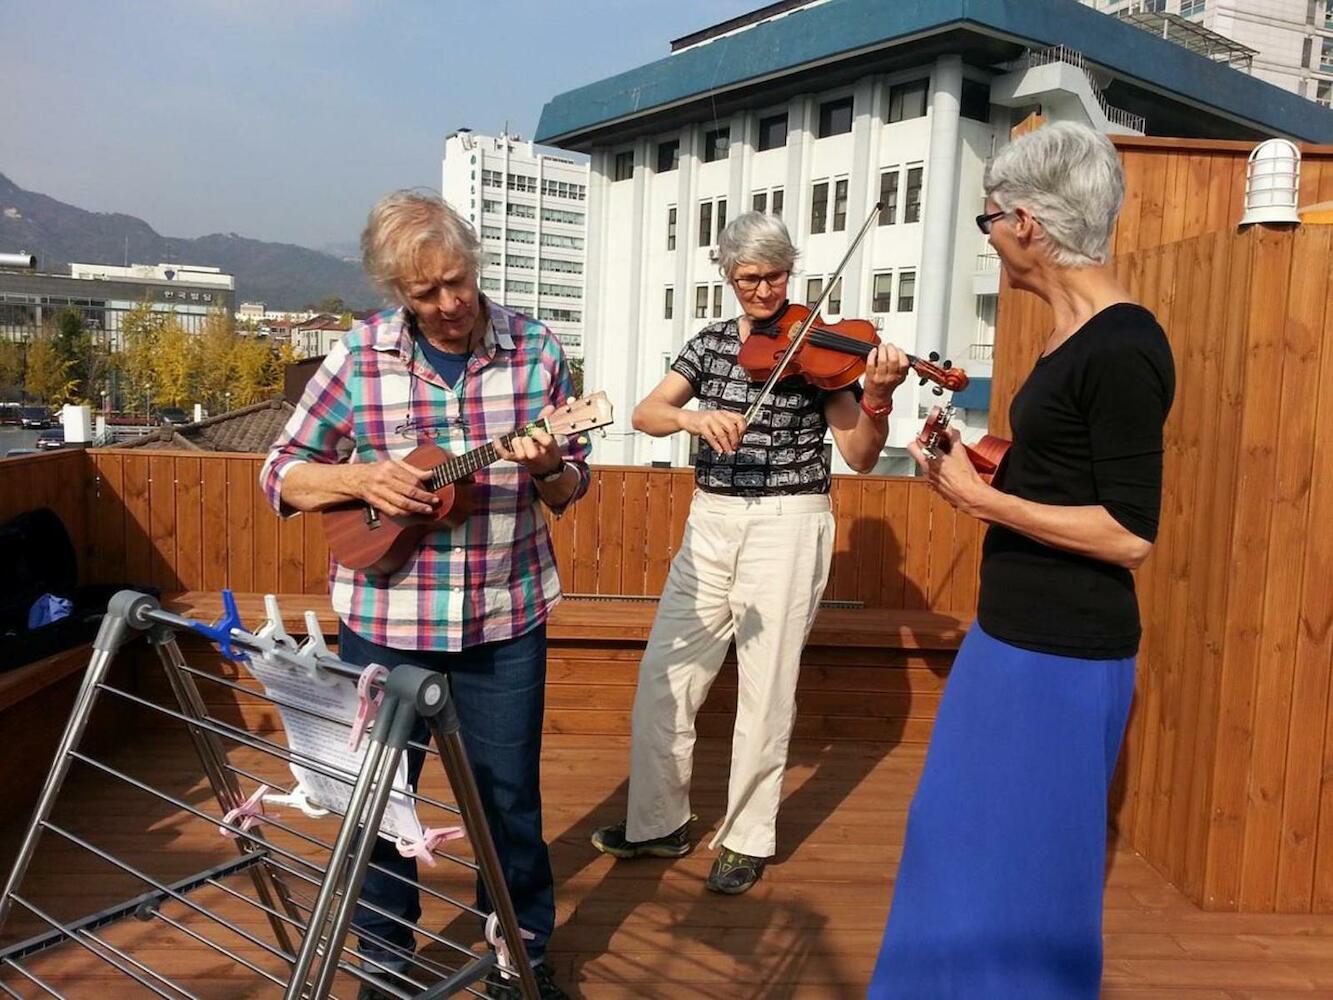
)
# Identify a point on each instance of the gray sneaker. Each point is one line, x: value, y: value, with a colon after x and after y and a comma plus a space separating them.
x: 612, y: 840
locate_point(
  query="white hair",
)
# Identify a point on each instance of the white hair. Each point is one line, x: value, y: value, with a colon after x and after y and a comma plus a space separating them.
x: 1070, y: 178
x: 755, y: 238
x: 405, y: 226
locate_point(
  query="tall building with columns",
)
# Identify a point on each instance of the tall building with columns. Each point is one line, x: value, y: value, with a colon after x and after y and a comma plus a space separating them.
x: 818, y: 110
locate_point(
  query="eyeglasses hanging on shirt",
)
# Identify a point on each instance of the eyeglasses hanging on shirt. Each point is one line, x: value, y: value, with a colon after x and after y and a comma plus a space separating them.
x: 430, y: 426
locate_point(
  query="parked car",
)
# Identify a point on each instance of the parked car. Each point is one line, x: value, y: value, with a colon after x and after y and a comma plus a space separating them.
x: 173, y: 416
x: 51, y: 438
x: 11, y: 413
x: 16, y: 452
x: 35, y: 417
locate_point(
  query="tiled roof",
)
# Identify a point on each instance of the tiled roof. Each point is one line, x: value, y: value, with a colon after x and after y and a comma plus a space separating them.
x: 250, y: 429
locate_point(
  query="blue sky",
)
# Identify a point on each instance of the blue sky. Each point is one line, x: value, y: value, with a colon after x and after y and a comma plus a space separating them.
x: 285, y: 119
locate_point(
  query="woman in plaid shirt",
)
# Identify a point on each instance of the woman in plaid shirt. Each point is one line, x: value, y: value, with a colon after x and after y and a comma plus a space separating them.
x: 450, y: 366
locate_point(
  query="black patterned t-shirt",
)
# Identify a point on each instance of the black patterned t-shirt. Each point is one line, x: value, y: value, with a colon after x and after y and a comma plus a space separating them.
x: 782, y: 452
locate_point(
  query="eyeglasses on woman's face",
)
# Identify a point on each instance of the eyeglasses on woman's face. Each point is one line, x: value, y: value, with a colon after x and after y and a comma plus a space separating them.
x: 748, y: 281
x: 986, y: 219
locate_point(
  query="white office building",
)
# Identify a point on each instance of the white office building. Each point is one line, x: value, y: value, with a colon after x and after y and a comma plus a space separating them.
x: 1290, y: 41
x: 816, y: 112
x: 530, y: 208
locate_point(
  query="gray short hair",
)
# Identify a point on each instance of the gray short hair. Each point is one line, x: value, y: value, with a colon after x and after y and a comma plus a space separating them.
x: 404, y: 226
x: 755, y: 238
x: 1070, y: 178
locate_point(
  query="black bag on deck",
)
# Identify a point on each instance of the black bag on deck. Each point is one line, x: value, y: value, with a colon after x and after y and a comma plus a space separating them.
x: 36, y: 558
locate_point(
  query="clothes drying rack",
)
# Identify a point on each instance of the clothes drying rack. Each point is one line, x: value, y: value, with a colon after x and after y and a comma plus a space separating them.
x: 301, y: 884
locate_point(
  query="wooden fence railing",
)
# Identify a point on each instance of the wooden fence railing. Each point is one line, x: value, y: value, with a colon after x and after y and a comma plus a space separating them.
x: 185, y: 521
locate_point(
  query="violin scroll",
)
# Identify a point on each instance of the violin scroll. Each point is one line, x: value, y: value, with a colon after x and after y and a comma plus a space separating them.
x: 942, y: 373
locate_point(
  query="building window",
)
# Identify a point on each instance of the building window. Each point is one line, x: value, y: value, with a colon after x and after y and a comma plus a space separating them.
x: 560, y: 315
x: 881, y: 300
x: 834, y: 302
x: 888, y: 196
x: 819, y: 207
x: 490, y: 284
x: 624, y: 165
x: 716, y: 144
x: 1324, y: 93
x: 491, y: 233
x: 492, y: 178
x: 705, y: 223
x: 519, y: 260
x: 777, y: 201
x: 669, y: 303
x: 840, y: 205
x: 975, y: 101
x: 772, y: 132
x: 557, y: 215
x: 906, y: 291
x: 561, y: 241
x: 1155, y: 6
x: 671, y: 227
x: 490, y: 206
x: 721, y: 216
x: 908, y: 100
x: 562, y: 266
x: 668, y: 156
x: 520, y: 211
x: 912, y: 200
x: 1326, y: 56
x: 835, y: 117
x: 717, y: 302
x: 1188, y: 8
x: 760, y: 203
x: 520, y: 287
x: 814, y: 287
x: 700, y: 301
x: 562, y: 291
x: 522, y: 182
x: 520, y: 236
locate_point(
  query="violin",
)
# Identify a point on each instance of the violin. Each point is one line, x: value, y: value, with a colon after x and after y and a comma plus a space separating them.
x: 831, y: 355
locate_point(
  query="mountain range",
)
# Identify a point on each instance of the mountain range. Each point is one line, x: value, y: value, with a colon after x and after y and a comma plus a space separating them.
x: 281, y: 275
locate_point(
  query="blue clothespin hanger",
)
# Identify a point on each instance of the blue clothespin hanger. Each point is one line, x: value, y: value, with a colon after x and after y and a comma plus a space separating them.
x: 220, y: 631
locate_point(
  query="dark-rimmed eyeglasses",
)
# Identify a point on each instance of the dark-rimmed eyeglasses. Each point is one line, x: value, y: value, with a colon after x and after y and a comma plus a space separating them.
x: 749, y: 282
x: 985, y: 220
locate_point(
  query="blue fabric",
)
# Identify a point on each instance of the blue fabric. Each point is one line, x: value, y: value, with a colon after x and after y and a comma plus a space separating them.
x: 999, y: 892
x: 47, y: 609
x: 447, y: 365
x: 499, y: 689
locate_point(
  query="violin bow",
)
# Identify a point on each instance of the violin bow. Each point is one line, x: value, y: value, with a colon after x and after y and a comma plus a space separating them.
x: 799, y: 336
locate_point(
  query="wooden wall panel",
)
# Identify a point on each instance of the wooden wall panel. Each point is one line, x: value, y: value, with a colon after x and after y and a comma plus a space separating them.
x: 1227, y: 775
x: 56, y: 480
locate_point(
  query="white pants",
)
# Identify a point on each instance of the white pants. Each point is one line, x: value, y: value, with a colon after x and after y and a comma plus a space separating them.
x: 752, y: 570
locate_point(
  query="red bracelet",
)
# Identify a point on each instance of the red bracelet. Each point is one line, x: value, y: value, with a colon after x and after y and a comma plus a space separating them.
x: 875, y: 412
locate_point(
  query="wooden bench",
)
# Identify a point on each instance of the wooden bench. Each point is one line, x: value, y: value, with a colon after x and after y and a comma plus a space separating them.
x: 867, y: 673
x: 35, y: 703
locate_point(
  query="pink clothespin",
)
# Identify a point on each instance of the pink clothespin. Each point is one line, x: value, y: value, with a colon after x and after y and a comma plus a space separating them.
x: 496, y: 940
x: 430, y: 839
x: 366, y: 706
x: 247, y: 815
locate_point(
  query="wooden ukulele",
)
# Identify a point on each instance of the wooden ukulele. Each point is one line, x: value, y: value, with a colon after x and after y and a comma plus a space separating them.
x: 985, y: 454
x: 363, y: 538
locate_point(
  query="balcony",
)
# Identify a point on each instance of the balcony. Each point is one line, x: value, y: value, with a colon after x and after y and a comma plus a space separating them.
x: 986, y: 274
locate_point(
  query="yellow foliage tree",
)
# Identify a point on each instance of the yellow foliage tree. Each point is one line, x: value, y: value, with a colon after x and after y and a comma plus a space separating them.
x: 140, y: 330
x: 215, y: 364
x: 50, y: 375
x: 254, y: 363
x: 11, y: 365
x: 174, y: 365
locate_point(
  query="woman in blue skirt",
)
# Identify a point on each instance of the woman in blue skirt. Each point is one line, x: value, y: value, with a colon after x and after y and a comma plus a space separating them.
x: 999, y: 892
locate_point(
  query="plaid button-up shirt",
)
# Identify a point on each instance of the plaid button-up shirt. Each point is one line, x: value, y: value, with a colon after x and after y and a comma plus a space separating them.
x: 494, y: 576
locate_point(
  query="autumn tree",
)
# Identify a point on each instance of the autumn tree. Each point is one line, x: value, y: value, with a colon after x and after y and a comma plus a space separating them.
x: 140, y: 329
x: 215, y: 364
x: 11, y: 365
x: 48, y: 375
x: 174, y: 365
x: 256, y: 368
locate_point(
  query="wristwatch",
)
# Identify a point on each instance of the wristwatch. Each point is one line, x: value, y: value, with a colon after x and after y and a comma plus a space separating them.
x: 551, y: 477
x: 877, y: 411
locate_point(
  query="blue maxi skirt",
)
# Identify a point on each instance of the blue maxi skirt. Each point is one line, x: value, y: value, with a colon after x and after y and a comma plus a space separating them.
x: 999, y: 892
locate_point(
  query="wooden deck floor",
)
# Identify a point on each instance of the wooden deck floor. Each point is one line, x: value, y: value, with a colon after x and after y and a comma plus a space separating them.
x: 648, y: 929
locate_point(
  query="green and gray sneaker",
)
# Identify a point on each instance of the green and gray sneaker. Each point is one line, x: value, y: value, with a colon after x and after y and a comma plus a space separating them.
x: 734, y: 872
x: 612, y: 840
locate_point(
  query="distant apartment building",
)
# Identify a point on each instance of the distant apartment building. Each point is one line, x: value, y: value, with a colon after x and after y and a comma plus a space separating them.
x: 104, y: 293
x: 530, y: 209
x: 1291, y: 41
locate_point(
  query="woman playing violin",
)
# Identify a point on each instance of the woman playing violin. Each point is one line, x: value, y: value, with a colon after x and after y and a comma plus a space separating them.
x: 751, y: 567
